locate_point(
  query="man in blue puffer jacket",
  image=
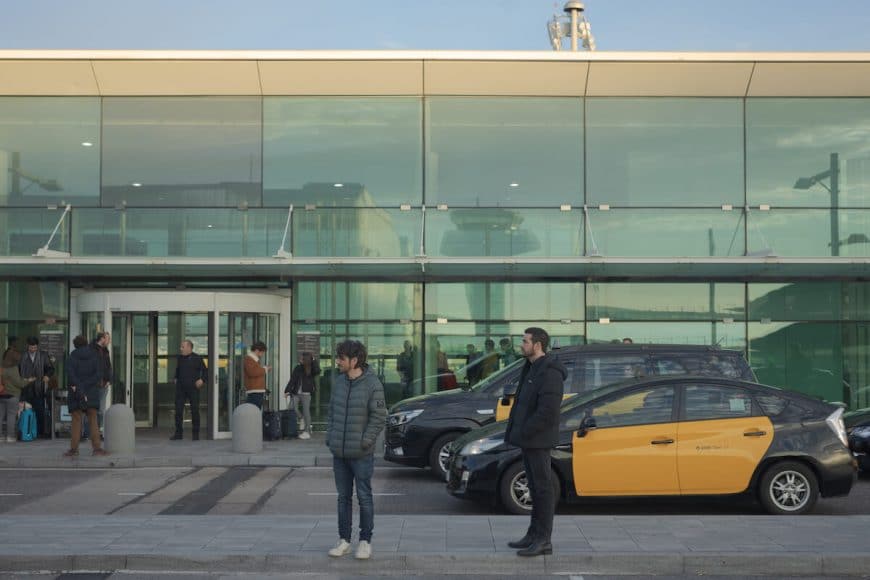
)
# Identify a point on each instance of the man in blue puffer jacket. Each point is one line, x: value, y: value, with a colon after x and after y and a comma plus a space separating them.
x: 85, y: 374
x: 357, y: 414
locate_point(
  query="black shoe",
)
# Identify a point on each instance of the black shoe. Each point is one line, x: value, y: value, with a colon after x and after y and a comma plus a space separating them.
x: 176, y: 437
x: 538, y: 548
x: 196, y: 436
x: 525, y: 542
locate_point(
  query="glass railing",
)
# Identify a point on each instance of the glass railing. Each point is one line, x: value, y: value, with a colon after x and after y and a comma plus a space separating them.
x: 357, y: 232
x: 24, y: 231
x: 807, y: 233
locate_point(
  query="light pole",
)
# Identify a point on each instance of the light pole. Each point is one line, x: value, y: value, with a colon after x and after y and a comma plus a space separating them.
x: 833, y: 175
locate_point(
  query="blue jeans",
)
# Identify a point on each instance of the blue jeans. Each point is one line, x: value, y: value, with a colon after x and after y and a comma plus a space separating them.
x: 345, y: 472
x: 256, y: 399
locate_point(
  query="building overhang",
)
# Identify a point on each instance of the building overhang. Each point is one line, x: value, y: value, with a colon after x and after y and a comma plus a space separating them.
x: 483, y: 73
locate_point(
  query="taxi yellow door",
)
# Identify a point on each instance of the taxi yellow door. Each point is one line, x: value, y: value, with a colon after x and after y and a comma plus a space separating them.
x: 719, y: 442
x: 632, y: 450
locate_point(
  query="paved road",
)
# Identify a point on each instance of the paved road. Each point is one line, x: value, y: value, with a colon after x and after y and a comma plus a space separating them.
x: 183, y: 575
x: 309, y: 491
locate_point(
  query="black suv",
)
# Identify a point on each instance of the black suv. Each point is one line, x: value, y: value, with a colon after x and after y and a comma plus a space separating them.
x: 421, y: 429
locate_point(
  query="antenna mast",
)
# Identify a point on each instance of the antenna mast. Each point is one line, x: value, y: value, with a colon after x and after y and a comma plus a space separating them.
x: 574, y: 26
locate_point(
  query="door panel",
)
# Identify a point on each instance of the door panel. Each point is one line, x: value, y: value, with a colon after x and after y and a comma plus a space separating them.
x: 142, y: 393
x: 634, y: 460
x: 720, y: 455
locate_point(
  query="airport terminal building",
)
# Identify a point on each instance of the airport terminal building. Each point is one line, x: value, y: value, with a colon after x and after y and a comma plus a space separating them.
x: 438, y: 199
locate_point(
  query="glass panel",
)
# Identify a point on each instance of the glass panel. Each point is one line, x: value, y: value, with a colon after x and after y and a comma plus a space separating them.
x: 798, y: 301
x: 120, y: 355
x: 142, y: 370
x: 716, y: 402
x: 508, y: 151
x: 807, y: 232
x: 504, y: 232
x: 182, y: 151
x: 172, y: 328
x: 655, y: 301
x: 856, y: 365
x: 664, y: 151
x: 23, y: 231
x: 342, y: 151
x: 790, y: 139
x: 666, y: 232
x: 364, y: 233
x: 804, y: 356
x: 33, y: 300
x: 358, y: 301
x: 856, y: 301
x: 636, y: 408
x: 727, y: 335
x: 49, y: 150
x: 177, y: 232
x: 504, y: 301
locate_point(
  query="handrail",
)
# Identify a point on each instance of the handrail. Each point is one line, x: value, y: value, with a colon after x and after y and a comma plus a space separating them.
x: 44, y: 252
x: 282, y: 252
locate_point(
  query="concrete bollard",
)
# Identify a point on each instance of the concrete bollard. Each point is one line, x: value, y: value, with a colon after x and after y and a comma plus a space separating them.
x: 247, y: 429
x: 120, y: 430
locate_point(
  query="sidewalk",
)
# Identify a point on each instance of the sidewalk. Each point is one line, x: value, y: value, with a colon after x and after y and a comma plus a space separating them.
x: 154, y: 449
x: 469, y: 545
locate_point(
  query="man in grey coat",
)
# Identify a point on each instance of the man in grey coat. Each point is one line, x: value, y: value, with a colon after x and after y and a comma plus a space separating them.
x: 357, y: 412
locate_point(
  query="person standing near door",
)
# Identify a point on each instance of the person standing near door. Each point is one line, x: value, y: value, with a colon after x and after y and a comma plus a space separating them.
x: 190, y: 375
x: 38, y: 365
x: 255, y: 374
x: 533, y: 426
x: 102, y: 340
x: 300, y: 388
x: 84, y: 375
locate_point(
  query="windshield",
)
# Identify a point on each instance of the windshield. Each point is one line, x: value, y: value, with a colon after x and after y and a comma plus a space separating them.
x: 483, y: 386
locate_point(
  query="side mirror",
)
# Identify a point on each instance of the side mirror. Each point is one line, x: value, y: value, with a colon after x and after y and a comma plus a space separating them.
x: 509, y: 390
x: 586, y: 425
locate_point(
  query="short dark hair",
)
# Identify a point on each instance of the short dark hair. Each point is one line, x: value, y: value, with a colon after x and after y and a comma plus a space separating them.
x: 504, y: 342
x: 80, y: 341
x: 259, y: 345
x: 539, y: 335
x: 489, y: 343
x: 32, y: 341
x: 99, y: 336
x: 353, y: 349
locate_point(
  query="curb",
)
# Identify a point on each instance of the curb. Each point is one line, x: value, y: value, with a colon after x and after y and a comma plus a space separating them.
x: 806, y: 564
x: 224, y: 460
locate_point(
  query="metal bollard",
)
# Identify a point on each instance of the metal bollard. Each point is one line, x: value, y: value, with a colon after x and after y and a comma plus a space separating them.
x: 120, y: 430
x: 247, y: 429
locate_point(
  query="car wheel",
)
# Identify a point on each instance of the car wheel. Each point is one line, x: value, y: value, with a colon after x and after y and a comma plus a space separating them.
x: 440, y: 453
x: 788, y: 487
x: 514, y: 489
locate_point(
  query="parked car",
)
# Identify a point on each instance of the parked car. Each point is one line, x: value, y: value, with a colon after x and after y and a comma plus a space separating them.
x: 686, y: 435
x: 858, y: 430
x: 421, y: 429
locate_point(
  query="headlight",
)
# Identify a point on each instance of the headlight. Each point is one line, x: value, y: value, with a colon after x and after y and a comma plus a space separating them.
x: 480, y: 446
x: 397, y: 419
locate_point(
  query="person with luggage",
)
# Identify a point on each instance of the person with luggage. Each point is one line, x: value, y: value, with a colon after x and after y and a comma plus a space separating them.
x: 39, y: 365
x: 255, y: 375
x: 300, y: 388
x: 11, y: 385
x: 357, y: 413
x: 85, y: 379
x: 190, y: 376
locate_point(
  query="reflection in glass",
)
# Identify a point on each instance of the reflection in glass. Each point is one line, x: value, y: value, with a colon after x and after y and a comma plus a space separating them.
x: 664, y: 151
x: 24, y: 231
x: 31, y: 300
x: 796, y: 301
x: 504, y: 151
x: 504, y: 232
x: 727, y: 335
x: 49, y: 151
x: 182, y: 151
x: 365, y: 233
x: 667, y: 232
x: 504, y: 301
x: 807, y: 232
x: 358, y: 301
x: 788, y: 139
x: 658, y: 301
x: 314, y: 147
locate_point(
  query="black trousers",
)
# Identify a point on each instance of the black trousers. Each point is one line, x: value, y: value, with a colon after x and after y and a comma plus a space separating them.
x: 539, y: 476
x: 182, y: 395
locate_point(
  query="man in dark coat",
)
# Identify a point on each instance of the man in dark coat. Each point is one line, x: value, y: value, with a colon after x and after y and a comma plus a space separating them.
x: 190, y: 375
x: 533, y: 426
x: 85, y: 376
x: 38, y: 365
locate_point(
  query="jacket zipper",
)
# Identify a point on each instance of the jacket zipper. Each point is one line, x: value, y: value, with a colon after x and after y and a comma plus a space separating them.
x: 346, y: 409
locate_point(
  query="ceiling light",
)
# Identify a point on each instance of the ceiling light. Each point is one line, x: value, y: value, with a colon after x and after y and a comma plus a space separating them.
x: 338, y: 185
x: 515, y: 184
x: 136, y: 184
x: 209, y: 226
x: 87, y: 144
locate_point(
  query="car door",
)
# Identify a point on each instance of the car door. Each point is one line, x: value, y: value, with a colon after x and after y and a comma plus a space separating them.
x: 631, y: 451
x: 720, y: 439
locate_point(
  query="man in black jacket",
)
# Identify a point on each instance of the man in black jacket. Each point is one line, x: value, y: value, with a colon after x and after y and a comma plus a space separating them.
x: 533, y: 426
x: 38, y: 365
x: 190, y: 375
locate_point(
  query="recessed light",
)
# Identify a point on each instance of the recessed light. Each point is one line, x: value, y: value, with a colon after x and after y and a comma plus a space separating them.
x: 338, y: 185
x: 87, y: 144
x: 515, y: 184
x: 209, y: 226
x: 136, y: 184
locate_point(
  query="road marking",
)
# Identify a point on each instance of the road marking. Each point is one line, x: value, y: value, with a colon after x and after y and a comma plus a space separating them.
x: 336, y: 493
x: 136, y: 493
x: 10, y: 494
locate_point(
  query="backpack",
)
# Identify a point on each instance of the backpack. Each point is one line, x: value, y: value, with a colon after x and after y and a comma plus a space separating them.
x: 27, y: 425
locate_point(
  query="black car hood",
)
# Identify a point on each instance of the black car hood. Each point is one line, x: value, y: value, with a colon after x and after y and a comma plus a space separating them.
x: 485, y: 432
x: 422, y: 401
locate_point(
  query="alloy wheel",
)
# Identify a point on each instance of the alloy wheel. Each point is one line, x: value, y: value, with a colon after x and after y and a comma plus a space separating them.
x: 789, y: 490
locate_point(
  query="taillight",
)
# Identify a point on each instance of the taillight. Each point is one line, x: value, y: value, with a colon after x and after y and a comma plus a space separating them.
x: 835, y: 422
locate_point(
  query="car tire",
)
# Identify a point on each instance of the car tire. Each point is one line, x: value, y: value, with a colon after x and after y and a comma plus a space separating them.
x: 514, y: 492
x: 788, y: 488
x: 438, y: 454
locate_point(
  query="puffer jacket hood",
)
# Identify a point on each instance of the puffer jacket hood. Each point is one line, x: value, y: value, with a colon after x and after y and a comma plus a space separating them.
x: 357, y: 414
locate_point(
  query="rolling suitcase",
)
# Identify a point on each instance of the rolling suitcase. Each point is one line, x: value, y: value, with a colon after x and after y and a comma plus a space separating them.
x: 289, y: 423
x: 271, y: 424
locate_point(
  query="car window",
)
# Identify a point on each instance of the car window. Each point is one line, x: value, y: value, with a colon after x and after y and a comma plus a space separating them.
x: 771, y: 405
x: 651, y: 405
x: 513, y: 378
x: 701, y: 363
x: 716, y: 402
x: 602, y: 370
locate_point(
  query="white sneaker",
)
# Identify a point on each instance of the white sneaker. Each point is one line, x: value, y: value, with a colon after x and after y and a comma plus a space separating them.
x: 363, y: 551
x: 340, y: 549
x: 304, y: 435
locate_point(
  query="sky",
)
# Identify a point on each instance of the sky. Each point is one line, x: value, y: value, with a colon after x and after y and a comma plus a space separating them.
x: 644, y: 25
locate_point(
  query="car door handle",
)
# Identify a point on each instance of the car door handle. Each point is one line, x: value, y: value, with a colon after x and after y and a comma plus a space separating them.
x: 661, y: 441
x: 755, y: 433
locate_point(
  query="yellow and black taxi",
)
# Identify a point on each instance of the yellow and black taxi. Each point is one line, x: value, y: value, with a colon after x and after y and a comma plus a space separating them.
x: 671, y: 436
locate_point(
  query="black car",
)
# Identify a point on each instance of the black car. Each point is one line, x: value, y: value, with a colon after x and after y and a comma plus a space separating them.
x: 858, y: 429
x: 673, y: 436
x: 421, y: 429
